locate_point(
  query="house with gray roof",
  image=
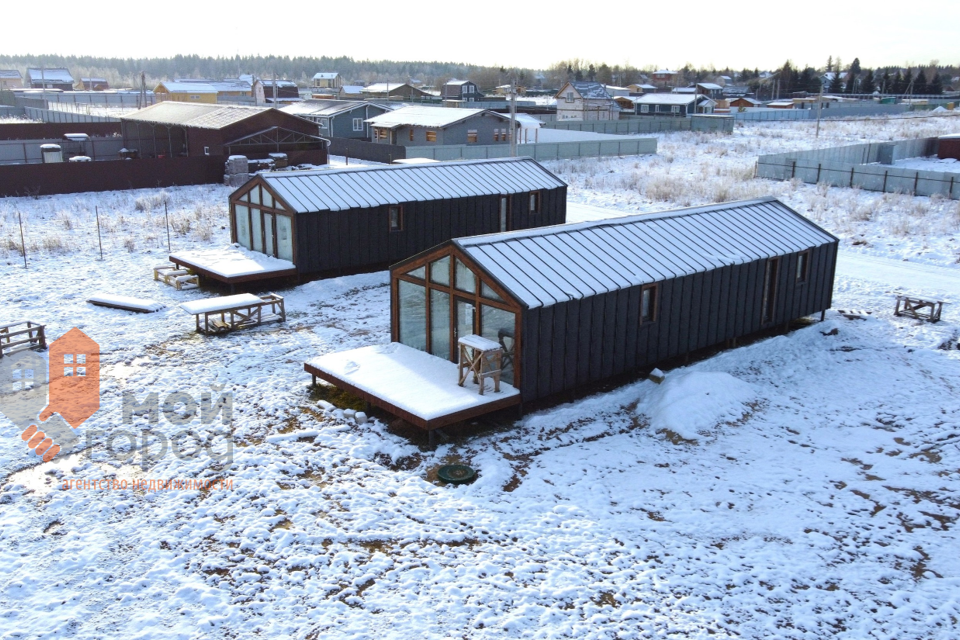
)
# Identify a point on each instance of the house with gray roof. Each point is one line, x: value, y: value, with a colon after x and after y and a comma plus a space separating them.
x: 338, y: 118
x: 585, y: 101
x: 423, y: 126
x: 10, y: 79
x: 673, y: 104
x: 462, y: 90
x: 42, y: 78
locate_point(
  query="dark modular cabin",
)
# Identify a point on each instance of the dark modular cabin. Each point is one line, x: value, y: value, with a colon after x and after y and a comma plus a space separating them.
x: 579, y: 303
x: 364, y: 218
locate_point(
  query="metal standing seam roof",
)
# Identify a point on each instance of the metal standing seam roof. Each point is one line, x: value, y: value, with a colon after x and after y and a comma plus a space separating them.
x: 588, y: 90
x: 203, y: 116
x: 323, y: 108
x: 669, y: 98
x: 360, y: 187
x: 550, y: 265
x: 50, y: 75
x: 417, y: 116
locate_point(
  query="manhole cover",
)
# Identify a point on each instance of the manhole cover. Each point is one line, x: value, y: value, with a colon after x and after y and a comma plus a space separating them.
x: 456, y: 473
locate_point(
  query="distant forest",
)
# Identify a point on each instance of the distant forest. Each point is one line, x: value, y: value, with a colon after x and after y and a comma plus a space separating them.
x: 125, y: 72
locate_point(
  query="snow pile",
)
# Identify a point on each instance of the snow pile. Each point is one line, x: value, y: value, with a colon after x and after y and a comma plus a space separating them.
x: 687, y: 403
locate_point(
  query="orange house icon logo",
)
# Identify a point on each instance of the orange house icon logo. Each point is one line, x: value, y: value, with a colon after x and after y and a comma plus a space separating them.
x: 73, y: 388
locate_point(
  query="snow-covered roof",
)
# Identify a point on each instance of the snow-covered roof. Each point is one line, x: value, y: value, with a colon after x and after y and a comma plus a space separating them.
x: 351, y: 88
x: 684, y: 90
x: 323, y: 108
x: 50, y: 75
x: 10, y: 73
x: 549, y: 265
x: 382, y: 87
x: 204, y: 116
x: 325, y: 75
x: 669, y: 98
x: 356, y: 187
x: 587, y: 90
x: 456, y: 82
x: 746, y: 99
x: 419, y: 116
x: 230, y: 84
x: 709, y: 86
x: 665, y: 71
x: 187, y: 86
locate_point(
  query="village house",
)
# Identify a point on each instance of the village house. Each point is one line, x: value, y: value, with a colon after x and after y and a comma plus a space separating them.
x: 50, y: 79
x: 419, y: 126
x: 338, y: 118
x: 673, y: 104
x: 393, y: 91
x: 585, y: 101
x: 327, y: 80
x: 462, y: 90
x: 10, y: 79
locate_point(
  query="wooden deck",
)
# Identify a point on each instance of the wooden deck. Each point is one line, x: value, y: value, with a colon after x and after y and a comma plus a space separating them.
x: 410, y: 384
x: 205, y: 271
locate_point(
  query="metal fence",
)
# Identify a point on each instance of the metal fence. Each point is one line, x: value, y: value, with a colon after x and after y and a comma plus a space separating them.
x: 28, y: 151
x: 631, y: 125
x: 761, y: 114
x: 539, y: 151
x: 850, y: 167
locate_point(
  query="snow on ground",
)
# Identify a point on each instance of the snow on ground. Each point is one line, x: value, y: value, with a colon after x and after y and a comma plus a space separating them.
x: 800, y: 486
x: 933, y: 163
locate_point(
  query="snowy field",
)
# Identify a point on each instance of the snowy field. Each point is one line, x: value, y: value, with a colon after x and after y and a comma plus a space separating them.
x: 801, y: 486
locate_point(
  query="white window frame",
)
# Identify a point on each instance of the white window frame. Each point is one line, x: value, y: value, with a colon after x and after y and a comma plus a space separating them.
x: 644, y: 108
x: 358, y: 124
x: 569, y: 97
x: 675, y: 109
x: 324, y: 122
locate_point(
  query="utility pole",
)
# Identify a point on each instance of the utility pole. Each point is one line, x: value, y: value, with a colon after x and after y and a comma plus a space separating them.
x: 513, y: 118
x: 819, y: 109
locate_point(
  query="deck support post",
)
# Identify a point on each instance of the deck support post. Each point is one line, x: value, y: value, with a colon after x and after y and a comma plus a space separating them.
x: 823, y: 315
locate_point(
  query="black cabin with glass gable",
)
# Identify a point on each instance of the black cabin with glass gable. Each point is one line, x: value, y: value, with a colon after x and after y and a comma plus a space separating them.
x: 579, y: 303
x: 335, y: 221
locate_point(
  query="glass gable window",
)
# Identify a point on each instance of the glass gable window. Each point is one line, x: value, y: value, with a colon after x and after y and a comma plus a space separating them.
x: 440, y: 271
x: 242, y: 217
x: 413, y: 315
x: 488, y: 292
x: 267, y: 199
x: 285, y: 238
x: 465, y: 278
x: 499, y: 325
x: 255, y: 195
x: 256, y: 223
x: 440, y: 323
x: 419, y: 272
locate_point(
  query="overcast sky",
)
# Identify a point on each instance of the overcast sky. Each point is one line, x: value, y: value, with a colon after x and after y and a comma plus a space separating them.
x: 745, y: 33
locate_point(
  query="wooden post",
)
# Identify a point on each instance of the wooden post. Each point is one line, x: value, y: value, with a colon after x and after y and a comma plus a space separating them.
x: 99, y: 239
x: 166, y: 215
x: 23, y: 243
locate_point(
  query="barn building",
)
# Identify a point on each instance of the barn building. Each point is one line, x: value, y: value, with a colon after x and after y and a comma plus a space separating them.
x: 173, y: 129
x: 364, y: 218
x: 415, y: 126
x: 576, y: 304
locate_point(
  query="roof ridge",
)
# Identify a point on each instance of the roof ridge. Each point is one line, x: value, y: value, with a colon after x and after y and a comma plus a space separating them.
x: 571, y: 227
x: 394, y: 167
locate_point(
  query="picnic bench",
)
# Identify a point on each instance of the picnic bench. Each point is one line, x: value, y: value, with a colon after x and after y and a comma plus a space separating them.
x: 21, y: 335
x: 918, y: 308
x: 481, y: 357
x: 180, y: 279
x: 241, y: 311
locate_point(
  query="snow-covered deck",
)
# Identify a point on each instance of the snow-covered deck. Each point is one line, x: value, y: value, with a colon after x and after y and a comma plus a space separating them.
x: 411, y: 384
x: 233, y: 264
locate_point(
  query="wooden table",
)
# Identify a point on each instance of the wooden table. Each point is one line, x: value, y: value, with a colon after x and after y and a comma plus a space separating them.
x: 229, y: 313
x: 918, y: 308
x: 483, y: 358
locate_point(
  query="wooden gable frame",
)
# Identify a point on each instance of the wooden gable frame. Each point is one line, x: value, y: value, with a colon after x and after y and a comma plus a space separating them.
x: 237, y: 198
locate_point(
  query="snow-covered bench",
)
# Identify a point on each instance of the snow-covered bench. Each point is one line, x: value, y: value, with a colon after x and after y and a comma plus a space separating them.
x: 126, y: 303
x: 229, y: 313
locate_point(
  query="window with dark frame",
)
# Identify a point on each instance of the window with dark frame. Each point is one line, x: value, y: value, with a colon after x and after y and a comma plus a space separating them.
x: 803, y: 266
x: 535, y: 202
x: 471, y: 135
x: 431, y: 136
x: 395, y: 213
x: 648, y: 303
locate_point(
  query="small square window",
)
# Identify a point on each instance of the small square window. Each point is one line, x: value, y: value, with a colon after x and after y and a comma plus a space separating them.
x: 68, y: 358
x: 431, y: 136
x: 395, y: 214
x: 82, y: 371
x: 67, y: 372
x: 471, y: 135
x: 81, y: 358
x: 17, y: 374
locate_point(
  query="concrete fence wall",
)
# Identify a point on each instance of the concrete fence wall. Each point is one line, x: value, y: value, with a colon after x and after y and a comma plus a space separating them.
x: 539, y: 151
x: 851, y: 167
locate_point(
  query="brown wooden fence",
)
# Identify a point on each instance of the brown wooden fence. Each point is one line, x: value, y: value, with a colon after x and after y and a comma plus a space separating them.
x: 77, y: 177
